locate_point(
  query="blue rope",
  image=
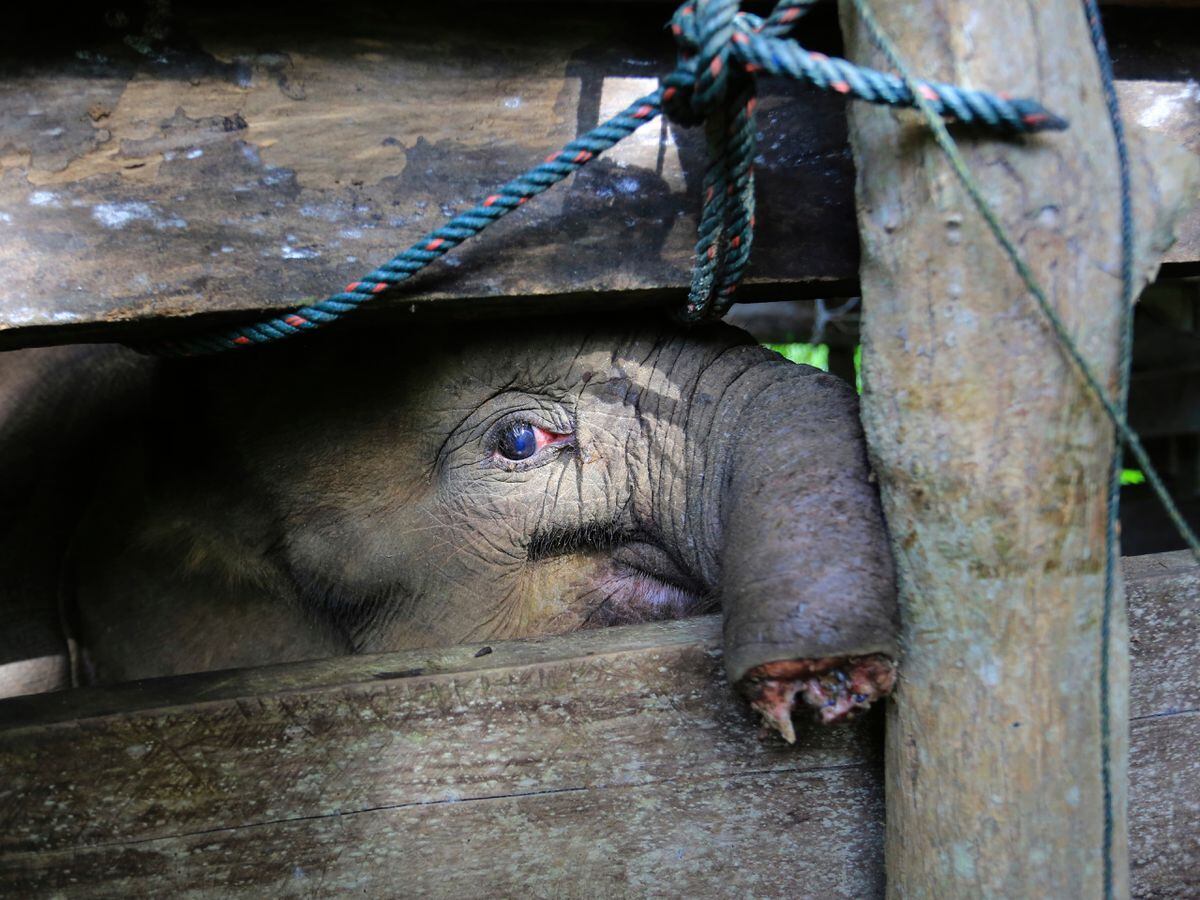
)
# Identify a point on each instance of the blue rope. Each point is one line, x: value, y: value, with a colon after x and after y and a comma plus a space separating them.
x: 721, y: 50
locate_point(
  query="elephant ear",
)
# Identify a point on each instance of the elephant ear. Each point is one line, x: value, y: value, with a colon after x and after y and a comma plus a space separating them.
x: 171, y: 571
x: 807, y: 581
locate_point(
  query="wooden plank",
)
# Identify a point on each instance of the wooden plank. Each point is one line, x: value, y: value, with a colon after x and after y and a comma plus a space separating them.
x: 530, y: 762
x: 155, y: 693
x: 614, y: 760
x: 285, y: 157
x: 618, y: 718
x: 1170, y: 108
x: 690, y: 837
x: 256, y: 160
x: 1164, y: 796
x: 1162, y: 591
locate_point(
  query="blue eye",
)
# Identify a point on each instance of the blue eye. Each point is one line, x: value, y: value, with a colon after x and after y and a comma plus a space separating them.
x: 518, y: 441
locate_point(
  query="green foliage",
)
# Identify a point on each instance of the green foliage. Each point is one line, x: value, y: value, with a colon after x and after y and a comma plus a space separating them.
x: 1132, y: 476
x: 816, y: 355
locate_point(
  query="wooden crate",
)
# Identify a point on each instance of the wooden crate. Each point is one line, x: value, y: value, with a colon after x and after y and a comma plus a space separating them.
x: 267, y: 159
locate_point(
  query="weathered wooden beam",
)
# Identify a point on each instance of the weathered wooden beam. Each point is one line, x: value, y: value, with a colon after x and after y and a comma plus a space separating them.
x: 614, y: 760
x: 1163, y: 596
x: 1172, y: 109
x: 993, y: 459
x: 280, y: 157
x: 607, y: 760
x: 252, y: 161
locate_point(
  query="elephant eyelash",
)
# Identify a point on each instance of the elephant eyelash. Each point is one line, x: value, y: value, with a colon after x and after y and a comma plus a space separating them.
x: 560, y: 541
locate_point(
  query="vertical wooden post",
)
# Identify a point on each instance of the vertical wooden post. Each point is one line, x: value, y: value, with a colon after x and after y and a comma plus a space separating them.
x: 992, y: 459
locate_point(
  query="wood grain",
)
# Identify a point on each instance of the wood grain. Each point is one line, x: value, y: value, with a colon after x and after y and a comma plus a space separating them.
x: 618, y: 767
x: 614, y: 761
x: 991, y: 455
x: 258, y: 159
x: 1163, y: 595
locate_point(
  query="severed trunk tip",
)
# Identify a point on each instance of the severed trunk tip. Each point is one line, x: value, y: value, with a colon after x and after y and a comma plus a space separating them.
x: 837, y: 689
x: 774, y: 700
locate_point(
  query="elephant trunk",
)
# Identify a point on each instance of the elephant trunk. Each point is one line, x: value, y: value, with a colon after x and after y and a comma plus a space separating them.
x: 788, y: 531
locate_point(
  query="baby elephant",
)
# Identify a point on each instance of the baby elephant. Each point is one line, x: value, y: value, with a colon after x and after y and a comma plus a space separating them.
x: 369, y: 491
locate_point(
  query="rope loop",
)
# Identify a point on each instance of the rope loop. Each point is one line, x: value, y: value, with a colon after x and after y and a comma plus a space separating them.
x: 712, y: 84
x: 721, y: 50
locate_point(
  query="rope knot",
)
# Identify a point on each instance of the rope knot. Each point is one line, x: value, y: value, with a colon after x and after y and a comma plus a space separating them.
x: 712, y: 83
x: 704, y: 31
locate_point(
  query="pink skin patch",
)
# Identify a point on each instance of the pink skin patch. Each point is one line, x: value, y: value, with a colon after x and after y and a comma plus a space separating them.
x: 630, y: 597
x: 838, y: 689
x: 543, y: 439
x: 547, y: 438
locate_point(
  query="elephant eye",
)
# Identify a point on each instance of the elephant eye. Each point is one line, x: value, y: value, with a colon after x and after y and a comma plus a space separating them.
x: 521, y: 440
x: 518, y: 441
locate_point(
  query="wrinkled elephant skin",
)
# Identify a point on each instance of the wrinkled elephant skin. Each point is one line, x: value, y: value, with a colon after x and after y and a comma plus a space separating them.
x: 388, y: 490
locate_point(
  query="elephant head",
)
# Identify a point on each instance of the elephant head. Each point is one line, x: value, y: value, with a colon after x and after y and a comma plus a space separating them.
x: 390, y: 490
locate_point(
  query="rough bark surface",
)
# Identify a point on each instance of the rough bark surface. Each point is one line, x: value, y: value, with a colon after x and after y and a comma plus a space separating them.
x: 1163, y: 592
x: 992, y: 459
x: 608, y: 761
